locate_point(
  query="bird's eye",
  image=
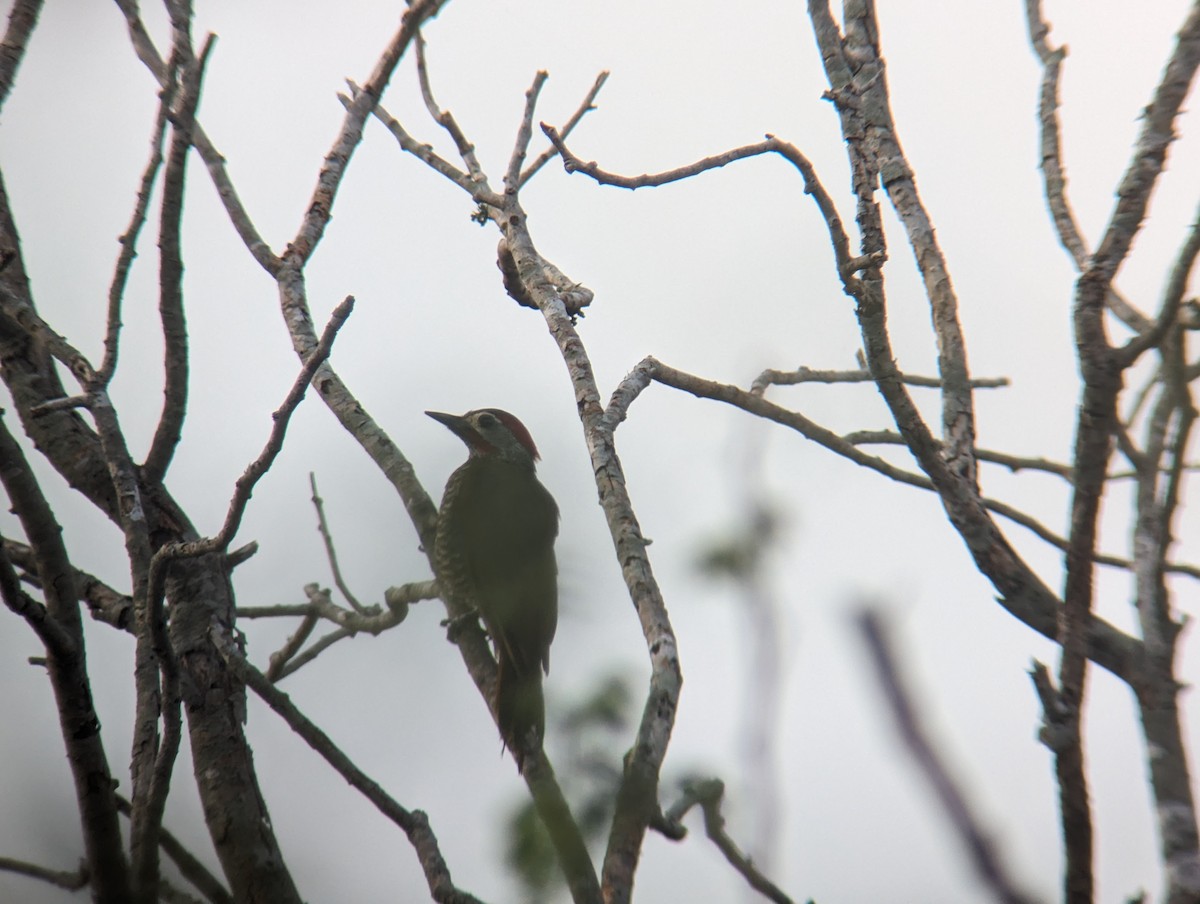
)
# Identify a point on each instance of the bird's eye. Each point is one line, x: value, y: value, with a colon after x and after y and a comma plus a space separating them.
x: 486, y: 421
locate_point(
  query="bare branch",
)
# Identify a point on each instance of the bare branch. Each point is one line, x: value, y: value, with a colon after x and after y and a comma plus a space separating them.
x: 279, y: 659
x: 864, y: 108
x: 170, y: 304
x: 143, y: 45
x: 314, y: 650
x: 1101, y: 366
x: 330, y: 552
x: 632, y: 385
x: 1022, y: 592
x: 980, y: 849
x: 512, y: 178
x: 22, y: 312
x: 22, y: 19
x: 708, y: 795
x: 422, y: 152
x: 1168, y: 312
x: 192, y: 869
x: 149, y: 576
x: 128, y: 243
x: 445, y: 119
x: 414, y: 823
x: 1053, y: 172
x: 351, y: 414
x: 319, y: 210
x: 1012, y: 462
x: 106, y: 604
x: 67, y: 668
x: 573, y: 164
x: 156, y: 673
x: 72, y: 881
x: 637, y: 797
x: 810, y: 375
x: 369, y: 619
x: 52, y: 635
x: 589, y: 104
x: 1157, y: 135
x: 847, y: 264
x: 157, y: 696
x: 295, y: 610
x: 254, y: 472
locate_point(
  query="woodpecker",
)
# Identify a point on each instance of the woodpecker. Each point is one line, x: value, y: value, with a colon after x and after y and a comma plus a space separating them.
x: 495, y: 552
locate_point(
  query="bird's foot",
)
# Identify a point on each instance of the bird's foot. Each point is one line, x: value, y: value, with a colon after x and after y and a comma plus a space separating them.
x: 457, y: 624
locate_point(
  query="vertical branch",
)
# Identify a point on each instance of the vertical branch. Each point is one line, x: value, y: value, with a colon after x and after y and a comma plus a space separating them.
x: 156, y: 665
x: 170, y: 305
x: 67, y: 668
x: 638, y: 792
x: 882, y: 145
x: 128, y: 241
x: 330, y: 552
x: 1102, y: 369
x: 1054, y: 173
x: 512, y: 177
x: 150, y: 653
x: 1159, y: 474
x: 22, y: 19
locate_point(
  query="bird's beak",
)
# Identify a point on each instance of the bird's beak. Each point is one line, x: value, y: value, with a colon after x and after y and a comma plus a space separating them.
x: 457, y: 425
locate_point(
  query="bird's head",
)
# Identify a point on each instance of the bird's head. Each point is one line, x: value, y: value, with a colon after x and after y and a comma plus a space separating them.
x: 491, y: 432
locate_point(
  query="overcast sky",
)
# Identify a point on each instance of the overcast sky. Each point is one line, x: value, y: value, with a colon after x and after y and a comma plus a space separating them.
x: 723, y: 276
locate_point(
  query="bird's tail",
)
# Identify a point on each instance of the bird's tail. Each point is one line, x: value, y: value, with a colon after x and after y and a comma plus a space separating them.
x: 520, y: 708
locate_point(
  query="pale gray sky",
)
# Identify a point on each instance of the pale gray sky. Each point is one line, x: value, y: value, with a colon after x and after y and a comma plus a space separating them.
x: 723, y: 276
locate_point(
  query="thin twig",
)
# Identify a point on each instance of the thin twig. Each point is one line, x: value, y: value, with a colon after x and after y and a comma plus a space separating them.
x: 295, y: 610
x: 445, y: 119
x: 300, y: 660
x: 170, y: 303
x: 423, y: 152
x: 512, y: 177
x: 214, y: 161
x: 280, y: 658
x: 244, y: 486
x: 1168, y: 312
x: 846, y: 446
x: 847, y: 264
x: 128, y: 241
x: 330, y: 552
x: 1012, y: 462
x: 1054, y: 172
x: 811, y: 375
x: 589, y: 104
x: 708, y: 794
x: 371, y: 620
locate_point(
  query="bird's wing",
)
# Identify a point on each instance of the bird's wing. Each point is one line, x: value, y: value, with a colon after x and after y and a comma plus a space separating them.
x: 508, y: 533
